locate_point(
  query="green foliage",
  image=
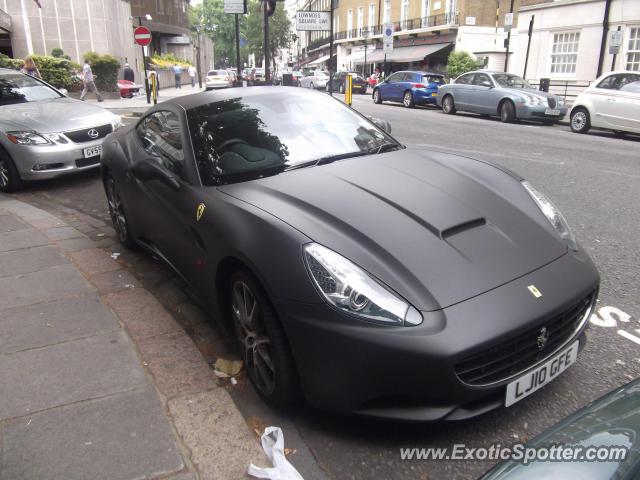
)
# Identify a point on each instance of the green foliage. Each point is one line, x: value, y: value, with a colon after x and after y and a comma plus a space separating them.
x: 57, y: 52
x: 459, y: 63
x: 168, y: 60
x: 59, y: 72
x: 105, y: 69
x: 8, y: 62
x: 279, y: 27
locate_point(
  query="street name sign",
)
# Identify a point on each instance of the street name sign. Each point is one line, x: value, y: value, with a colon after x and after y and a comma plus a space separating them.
x: 235, y: 6
x: 313, y: 21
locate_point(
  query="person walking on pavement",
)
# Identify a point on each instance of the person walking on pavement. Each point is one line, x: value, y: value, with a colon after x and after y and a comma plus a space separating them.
x: 30, y: 68
x: 177, y: 71
x: 192, y: 73
x: 88, y: 83
x: 128, y: 73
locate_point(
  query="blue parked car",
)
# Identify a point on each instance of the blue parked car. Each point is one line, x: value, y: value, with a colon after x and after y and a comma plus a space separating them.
x: 410, y: 88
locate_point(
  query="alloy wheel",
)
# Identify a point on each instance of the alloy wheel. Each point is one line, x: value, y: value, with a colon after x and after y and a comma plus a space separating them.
x: 407, y: 100
x: 254, y: 341
x: 117, y: 212
x: 4, y: 173
x: 447, y: 105
x: 579, y: 120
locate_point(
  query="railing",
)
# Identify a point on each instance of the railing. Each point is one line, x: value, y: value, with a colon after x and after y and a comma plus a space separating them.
x: 318, y: 42
x: 569, y: 89
x: 412, y: 24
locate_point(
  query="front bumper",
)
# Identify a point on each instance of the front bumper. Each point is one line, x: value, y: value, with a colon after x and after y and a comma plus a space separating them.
x: 212, y: 85
x: 539, y: 112
x: 41, y: 162
x: 408, y: 373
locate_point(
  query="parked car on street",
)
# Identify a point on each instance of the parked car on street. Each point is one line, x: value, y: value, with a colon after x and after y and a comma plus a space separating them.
x: 607, y: 426
x: 612, y: 102
x: 44, y: 134
x: 339, y: 82
x: 218, y: 79
x: 483, y: 299
x: 258, y: 76
x: 410, y: 88
x: 500, y: 94
x: 128, y: 89
x: 315, y: 80
x: 233, y: 74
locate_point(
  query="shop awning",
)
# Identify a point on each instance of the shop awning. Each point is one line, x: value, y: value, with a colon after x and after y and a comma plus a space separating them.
x: 318, y: 61
x: 407, y: 54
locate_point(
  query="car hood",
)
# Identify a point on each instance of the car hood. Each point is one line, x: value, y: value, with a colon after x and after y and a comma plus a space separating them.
x: 50, y: 116
x: 531, y: 91
x: 429, y: 231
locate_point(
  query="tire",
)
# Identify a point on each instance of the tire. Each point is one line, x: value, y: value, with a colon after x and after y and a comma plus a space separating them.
x: 580, y: 121
x: 377, y: 96
x: 619, y: 133
x: 407, y: 100
x: 341, y: 89
x: 117, y: 213
x: 312, y: 86
x: 507, y: 112
x: 448, y: 106
x: 10, y: 180
x: 263, y: 344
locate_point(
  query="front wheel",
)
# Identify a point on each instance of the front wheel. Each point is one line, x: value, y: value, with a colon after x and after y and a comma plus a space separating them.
x: 377, y: 96
x: 407, y: 100
x: 580, y: 121
x: 507, y: 112
x: 263, y: 344
x: 448, y: 106
x: 10, y: 180
x: 118, y: 216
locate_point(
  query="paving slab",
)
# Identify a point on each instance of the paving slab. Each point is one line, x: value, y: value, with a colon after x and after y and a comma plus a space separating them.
x: 114, y: 281
x: 24, y: 238
x: 75, y: 244
x: 10, y: 223
x: 28, y: 260
x: 62, y: 233
x: 121, y: 437
x: 84, y: 369
x: 176, y: 364
x: 216, y: 434
x: 48, y: 284
x: 94, y: 260
x: 53, y: 322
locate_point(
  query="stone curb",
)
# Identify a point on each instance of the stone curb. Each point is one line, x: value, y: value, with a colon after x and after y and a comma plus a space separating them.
x: 214, y: 439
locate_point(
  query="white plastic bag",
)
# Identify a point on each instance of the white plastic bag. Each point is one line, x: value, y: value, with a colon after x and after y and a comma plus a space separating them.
x: 273, y: 444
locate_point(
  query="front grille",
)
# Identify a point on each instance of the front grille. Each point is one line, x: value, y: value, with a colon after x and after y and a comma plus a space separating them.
x: 87, y: 162
x: 515, y: 355
x: 552, y: 102
x: 80, y: 136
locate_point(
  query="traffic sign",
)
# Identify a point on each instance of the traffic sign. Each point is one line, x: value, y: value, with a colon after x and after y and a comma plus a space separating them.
x: 142, y: 36
x: 387, y: 38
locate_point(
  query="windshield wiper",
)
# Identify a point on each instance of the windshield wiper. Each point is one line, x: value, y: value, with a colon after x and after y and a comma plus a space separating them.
x: 385, y: 147
x: 332, y: 158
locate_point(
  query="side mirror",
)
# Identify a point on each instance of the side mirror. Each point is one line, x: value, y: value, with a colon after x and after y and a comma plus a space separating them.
x: 382, y: 124
x: 149, y: 169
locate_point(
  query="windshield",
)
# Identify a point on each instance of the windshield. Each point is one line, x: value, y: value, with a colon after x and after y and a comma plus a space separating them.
x: 510, y: 81
x: 244, y: 138
x: 19, y: 88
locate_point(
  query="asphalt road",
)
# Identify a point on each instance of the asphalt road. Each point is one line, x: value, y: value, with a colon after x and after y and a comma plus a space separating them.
x: 594, y: 179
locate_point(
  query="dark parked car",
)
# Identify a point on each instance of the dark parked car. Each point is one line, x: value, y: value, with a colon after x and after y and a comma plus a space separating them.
x: 612, y: 422
x: 410, y: 88
x: 339, y: 82
x: 371, y: 278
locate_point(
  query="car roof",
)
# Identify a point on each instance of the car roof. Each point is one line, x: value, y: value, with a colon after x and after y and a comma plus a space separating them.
x: 188, y: 102
x: 420, y: 72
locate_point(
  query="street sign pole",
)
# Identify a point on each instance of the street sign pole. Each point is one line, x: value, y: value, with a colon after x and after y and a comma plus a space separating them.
x: 331, y: 67
x: 267, y: 75
x: 144, y: 66
x: 526, y: 58
x: 239, y: 79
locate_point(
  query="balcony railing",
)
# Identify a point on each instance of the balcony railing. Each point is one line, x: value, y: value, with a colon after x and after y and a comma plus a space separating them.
x: 318, y: 42
x: 404, y: 25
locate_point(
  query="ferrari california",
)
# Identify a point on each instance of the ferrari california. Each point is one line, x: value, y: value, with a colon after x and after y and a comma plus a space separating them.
x: 358, y: 274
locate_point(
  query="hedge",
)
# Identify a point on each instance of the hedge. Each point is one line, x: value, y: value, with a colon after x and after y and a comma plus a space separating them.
x: 59, y: 72
x: 105, y: 68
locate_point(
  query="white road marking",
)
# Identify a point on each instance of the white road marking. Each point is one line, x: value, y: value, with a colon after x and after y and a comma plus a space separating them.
x: 629, y: 336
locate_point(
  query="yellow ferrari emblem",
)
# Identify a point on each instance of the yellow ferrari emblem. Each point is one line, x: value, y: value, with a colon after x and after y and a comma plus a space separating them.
x: 200, y: 211
x: 534, y: 291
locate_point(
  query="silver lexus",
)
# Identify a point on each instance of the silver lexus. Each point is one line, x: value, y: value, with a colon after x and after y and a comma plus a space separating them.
x: 44, y: 134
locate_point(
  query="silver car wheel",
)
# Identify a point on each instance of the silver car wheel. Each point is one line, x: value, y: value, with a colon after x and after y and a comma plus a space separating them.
x: 579, y: 120
x: 4, y: 173
x: 254, y: 342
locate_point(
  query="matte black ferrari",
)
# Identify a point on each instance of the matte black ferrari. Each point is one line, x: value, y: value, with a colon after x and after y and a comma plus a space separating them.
x: 359, y: 274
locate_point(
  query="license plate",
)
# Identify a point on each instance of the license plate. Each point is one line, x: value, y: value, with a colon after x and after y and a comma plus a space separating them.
x: 92, y: 151
x: 550, y: 111
x: 536, y: 379
x: 434, y: 94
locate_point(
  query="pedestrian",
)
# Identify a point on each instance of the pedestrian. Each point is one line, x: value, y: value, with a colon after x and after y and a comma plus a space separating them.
x: 30, y: 68
x: 128, y: 73
x: 177, y: 72
x: 192, y: 73
x: 88, y: 83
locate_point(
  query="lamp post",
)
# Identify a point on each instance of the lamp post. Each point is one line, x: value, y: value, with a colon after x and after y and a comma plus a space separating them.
x: 365, y: 35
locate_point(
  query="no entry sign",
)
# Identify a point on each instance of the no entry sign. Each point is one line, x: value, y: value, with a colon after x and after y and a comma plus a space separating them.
x: 142, y: 36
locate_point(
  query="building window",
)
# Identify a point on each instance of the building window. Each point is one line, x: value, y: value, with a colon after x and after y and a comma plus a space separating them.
x: 633, y: 50
x: 564, y: 55
x: 160, y: 6
x: 349, y: 23
x: 387, y: 11
x: 372, y: 15
x: 404, y: 13
x: 360, y: 20
x: 424, y: 13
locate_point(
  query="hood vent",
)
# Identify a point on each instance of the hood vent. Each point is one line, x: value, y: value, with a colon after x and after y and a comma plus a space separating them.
x: 463, y: 227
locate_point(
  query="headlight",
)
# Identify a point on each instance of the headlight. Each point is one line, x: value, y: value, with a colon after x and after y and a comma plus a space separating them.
x: 353, y: 290
x: 27, y: 138
x: 560, y: 102
x: 55, y: 138
x: 533, y: 100
x: 553, y: 215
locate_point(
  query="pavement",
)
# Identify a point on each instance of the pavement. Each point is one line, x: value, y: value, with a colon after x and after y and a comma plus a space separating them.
x: 97, y: 379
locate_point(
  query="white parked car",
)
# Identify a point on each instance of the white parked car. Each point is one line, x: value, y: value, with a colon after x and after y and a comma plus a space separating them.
x: 313, y: 80
x: 612, y: 102
x: 218, y: 79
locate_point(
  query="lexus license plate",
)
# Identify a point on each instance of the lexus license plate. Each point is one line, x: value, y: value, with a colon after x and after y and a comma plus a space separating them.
x: 540, y: 376
x: 92, y: 151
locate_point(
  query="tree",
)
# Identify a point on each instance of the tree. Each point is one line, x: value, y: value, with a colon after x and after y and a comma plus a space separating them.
x: 279, y: 30
x: 459, y: 63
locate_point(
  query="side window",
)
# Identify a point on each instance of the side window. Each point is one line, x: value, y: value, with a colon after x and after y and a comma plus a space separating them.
x: 160, y: 137
x: 482, y: 79
x: 394, y: 78
x: 465, y: 79
x: 616, y: 82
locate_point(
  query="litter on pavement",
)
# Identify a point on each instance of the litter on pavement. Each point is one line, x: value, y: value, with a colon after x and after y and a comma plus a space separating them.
x: 273, y: 444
